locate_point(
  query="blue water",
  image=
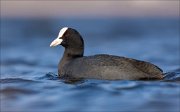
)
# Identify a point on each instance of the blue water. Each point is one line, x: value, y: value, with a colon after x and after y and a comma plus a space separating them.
x: 29, y: 80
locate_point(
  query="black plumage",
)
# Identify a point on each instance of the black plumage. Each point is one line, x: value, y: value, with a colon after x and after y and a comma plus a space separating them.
x: 75, y: 65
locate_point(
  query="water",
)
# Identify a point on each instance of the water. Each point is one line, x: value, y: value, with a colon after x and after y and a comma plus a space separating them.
x: 29, y: 80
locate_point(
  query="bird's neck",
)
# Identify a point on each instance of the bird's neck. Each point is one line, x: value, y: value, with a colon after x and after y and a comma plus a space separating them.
x: 69, y: 55
x: 73, y: 53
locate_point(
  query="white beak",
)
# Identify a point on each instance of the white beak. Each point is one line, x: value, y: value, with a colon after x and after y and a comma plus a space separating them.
x: 56, y: 42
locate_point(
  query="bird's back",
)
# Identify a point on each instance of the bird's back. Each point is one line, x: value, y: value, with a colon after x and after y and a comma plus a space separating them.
x: 111, y: 67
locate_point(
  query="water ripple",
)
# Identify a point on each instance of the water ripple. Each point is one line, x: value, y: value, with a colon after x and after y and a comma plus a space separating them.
x: 13, y: 91
x: 49, y: 76
x: 16, y: 80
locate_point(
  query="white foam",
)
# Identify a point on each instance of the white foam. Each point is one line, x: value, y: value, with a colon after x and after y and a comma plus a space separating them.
x: 62, y: 31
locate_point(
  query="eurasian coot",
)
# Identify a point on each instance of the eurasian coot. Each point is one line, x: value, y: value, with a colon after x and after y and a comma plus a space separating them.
x: 102, y: 66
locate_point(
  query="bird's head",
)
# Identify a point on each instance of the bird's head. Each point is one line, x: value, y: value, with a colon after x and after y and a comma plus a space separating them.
x: 70, y: 39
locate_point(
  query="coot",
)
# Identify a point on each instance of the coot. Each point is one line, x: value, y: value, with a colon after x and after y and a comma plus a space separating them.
x: 102, y: 66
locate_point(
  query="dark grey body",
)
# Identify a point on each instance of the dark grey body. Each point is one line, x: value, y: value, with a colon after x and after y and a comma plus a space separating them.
x: 75, y: 65
x: 108, y: 67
